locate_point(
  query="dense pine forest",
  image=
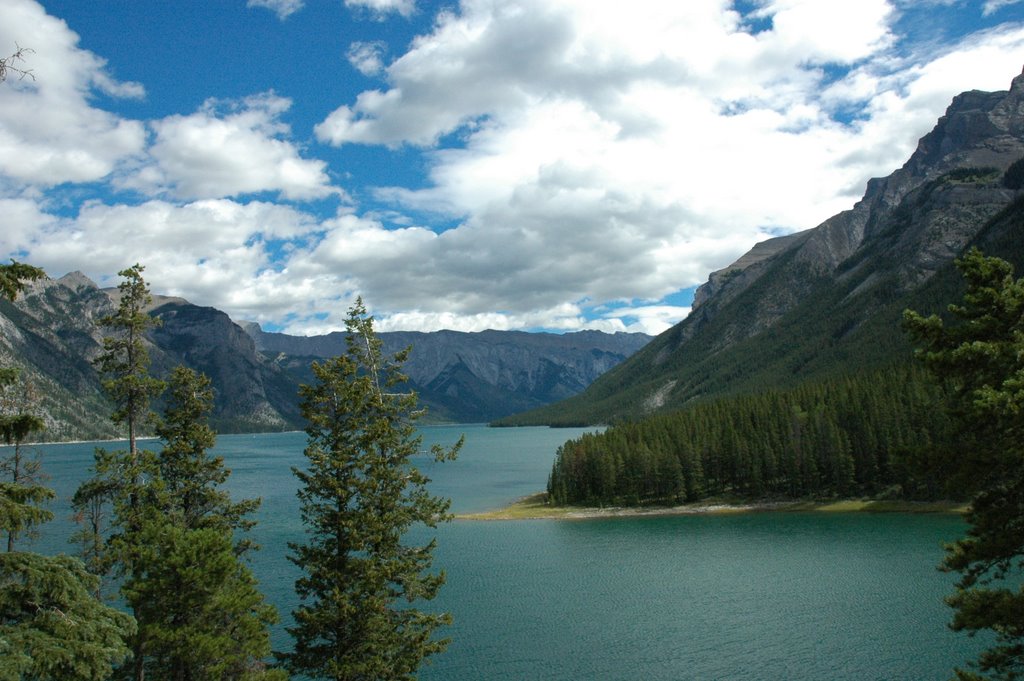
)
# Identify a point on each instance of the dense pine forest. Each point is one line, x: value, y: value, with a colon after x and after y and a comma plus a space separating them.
x: 869, y: 434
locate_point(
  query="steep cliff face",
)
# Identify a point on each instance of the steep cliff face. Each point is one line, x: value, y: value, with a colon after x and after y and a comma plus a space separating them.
x: 829, y: 299
x: 253, y: 394
x: 51, y: 335
x: 980, y: 130
x: 474, y: 377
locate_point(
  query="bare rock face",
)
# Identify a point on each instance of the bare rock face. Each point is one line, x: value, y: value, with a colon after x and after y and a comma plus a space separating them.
x: 252, y: 393
x: 980, y: 130
x: 718, y: 287
x: 51, y: 333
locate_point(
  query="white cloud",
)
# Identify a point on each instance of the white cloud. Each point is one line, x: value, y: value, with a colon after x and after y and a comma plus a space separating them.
x: 50, y: 132
x: 827, y: 32
x: 649, y: 319
x: 609, y: 151
x: 367, y: 57
x: 564, y: 317
x: 229, y: 149
x: 23, y: 222
x: 498, y: 57
x: 383, y: 7
x: 993, y: 6
x: 214, y: 252
x: 283, y: 8
x: 587, y: 157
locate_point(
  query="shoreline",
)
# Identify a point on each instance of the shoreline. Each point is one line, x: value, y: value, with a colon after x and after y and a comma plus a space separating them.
x: 534, y: 507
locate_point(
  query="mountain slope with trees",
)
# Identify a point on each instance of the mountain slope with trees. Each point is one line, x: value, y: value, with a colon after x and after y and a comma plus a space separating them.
x: 828, y: 301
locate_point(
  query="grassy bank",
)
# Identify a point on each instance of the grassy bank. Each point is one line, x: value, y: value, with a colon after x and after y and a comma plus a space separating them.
x: 536, y: 507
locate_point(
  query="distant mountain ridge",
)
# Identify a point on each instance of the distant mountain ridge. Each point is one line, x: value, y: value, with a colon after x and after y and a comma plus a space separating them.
x: 829, y: 300
x: 51, y: 333
x: 475, y: 376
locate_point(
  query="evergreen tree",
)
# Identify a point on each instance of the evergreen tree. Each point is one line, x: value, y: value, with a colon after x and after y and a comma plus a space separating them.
x: 15, y: 277
x: 19, y: 510
x: 124, y: 362
x: 197, y: 602
x: 797, y: 444
x: 91, y: 503
x: 200, y: 611
x: 360, y: 494
x: 980, y: 357
x: 191, y: 476
x: 22, y: 493
x: 51, y: 626
x: 119, y: 476
x: 174, y: 535
x: 127, y: 480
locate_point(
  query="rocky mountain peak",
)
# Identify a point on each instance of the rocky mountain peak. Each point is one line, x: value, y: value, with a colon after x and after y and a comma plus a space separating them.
x: 52, y: 333
x: 1017, y: 84
x: 76, y: 281
x: 978, y: 130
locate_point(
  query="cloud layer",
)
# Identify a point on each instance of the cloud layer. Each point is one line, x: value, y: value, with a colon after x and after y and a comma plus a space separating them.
x: 582, y: 161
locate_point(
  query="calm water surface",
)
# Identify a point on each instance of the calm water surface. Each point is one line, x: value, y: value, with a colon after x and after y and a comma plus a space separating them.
x: 799, y: 596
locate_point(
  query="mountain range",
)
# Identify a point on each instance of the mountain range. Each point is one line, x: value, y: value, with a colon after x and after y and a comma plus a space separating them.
x: 474, y: 377
x: 51, y: 333
x: 829, y: 300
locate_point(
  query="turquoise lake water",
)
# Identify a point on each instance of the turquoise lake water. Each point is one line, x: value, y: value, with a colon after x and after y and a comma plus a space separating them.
x: 764, y: 596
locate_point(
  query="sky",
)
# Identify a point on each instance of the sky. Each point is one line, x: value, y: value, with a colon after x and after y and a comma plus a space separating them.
x: 549, y: 165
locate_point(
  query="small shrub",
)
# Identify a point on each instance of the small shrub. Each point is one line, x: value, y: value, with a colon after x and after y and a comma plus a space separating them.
x: 970, y: 175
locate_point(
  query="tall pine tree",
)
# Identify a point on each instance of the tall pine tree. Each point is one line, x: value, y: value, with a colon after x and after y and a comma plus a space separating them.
x: 175, y: 538
x: 15, y: 276
x: 360, y: 495
x: 125, y: 479
x: 979, y: 356
x: 124, y: 362
x: 51, y: 624
x: 21, y: 472
x: 21, y: 491
x: 198, y: 605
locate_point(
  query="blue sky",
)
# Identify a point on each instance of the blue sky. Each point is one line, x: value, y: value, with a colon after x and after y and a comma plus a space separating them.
x: 509, y: 164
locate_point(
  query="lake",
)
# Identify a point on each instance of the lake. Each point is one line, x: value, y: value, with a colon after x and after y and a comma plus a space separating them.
x: 759, y: 596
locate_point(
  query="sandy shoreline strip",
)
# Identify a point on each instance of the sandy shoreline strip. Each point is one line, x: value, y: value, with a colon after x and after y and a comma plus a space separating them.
x: 535, y: 507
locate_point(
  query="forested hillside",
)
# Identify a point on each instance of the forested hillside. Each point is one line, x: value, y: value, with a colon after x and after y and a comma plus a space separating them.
x: 866, y: 434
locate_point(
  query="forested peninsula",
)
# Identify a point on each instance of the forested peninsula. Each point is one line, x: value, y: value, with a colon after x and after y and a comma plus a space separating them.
x: 860, y: 435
